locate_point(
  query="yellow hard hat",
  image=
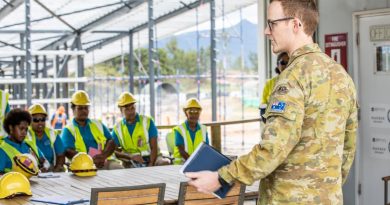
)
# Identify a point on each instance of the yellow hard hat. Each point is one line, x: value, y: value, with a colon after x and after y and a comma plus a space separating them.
x: 192, y: 103
x: 37, y: 109
x: 80, y: 97
x: 126, y: 98
x: 26, y: 164
x: 82, y: 165
x: 13, y: 184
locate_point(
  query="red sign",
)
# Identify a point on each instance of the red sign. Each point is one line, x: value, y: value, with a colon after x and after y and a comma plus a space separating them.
x: 336, y: 48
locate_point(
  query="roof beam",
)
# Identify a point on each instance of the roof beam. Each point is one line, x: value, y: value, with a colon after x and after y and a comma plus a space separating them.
x: 34, y: 31
x: 127, y: 7
x: 145, y: 25
x: 11, y: 6
x: 55, y: 15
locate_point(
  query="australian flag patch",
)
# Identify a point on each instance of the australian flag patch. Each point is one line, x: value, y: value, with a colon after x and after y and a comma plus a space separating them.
x: 278, y: 106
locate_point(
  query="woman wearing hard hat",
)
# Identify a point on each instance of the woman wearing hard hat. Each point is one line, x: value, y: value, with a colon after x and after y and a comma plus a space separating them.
x: 45, y: 138
x: 190, y: 133
x: 16, y: 125
x: 137, y: 136
x: 83, y: 134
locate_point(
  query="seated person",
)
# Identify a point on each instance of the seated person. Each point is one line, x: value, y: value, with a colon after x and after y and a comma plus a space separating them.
x: 137, y: 136
x: 90, y: 136
x: 16, y: 125
x: 190, y: 133
x: 45, y: 138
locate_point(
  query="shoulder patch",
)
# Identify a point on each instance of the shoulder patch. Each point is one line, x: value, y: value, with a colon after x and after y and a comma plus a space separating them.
x: 282, y: 90
x: 278, y: 106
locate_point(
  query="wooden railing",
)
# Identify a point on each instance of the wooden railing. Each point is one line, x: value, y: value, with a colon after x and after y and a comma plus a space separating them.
x: 215, y: 127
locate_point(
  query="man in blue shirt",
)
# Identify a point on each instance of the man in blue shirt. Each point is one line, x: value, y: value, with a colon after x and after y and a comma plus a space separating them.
x: 137, y: 136
x: 87, y: 135
x: 45, y: 138
x: 189, y: 134
x: 16, y: 125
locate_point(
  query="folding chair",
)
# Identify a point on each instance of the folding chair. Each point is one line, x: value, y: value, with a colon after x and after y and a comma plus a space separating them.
x: 131, y: 195
x: 386, y: 180
x: 190, y: 196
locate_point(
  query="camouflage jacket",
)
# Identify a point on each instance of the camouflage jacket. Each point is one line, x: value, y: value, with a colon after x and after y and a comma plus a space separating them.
x: 308, y: 142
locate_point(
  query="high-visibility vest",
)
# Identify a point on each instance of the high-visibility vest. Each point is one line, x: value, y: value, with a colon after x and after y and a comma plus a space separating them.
x: 97, y: 131
x: 3, y: 105
x: 31, y: 140
x: 189, y: 145
x: 138, y: 142
x: 11, y: 152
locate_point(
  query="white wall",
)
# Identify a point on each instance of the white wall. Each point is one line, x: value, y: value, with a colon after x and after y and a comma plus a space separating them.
x: 336, y: 17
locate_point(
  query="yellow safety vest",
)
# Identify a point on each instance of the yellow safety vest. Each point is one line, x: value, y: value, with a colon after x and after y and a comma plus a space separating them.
x: 267, y: 91
x: 97, y: 131
x: 11, y: 153
x: 31, y: 140
x: 189, y: 145
x: 3, y: 105
x: 138, y: 143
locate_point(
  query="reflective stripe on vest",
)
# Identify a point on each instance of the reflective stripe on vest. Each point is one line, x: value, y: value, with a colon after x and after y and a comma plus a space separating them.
x: 3, y: 106
x: 130, y: 143
x: 189, y: 145
x: 31, y: 139
x: 97, y: 131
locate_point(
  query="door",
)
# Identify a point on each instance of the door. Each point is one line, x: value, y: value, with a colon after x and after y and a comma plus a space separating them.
x: 374, y: 99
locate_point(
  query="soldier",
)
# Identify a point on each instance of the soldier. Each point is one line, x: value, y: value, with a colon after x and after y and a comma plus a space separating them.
x: 4, y: 109
x: 137, y: 136
x: 190, y: 133
x: 87, y: 135
x: 308, y: 142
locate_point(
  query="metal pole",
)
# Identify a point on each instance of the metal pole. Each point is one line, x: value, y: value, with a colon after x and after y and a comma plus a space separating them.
x: 197, y: 52
x: 28, y: 53
x: 131, y: 63
x: 44, y: 75
x: 37, y: 86
x: 15, y: 87
x: 22, y: 66
x: 213, y: 55
x: 242, y: 80
x: 151, y: 57
x: 80, y: 62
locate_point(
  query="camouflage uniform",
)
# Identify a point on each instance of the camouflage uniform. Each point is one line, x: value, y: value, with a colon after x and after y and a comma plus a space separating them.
x: 308, y: 143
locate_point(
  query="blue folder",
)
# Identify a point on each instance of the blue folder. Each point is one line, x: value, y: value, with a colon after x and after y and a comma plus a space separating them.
x: 206, y: 157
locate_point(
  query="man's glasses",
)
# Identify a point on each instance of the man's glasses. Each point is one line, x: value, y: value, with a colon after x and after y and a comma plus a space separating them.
x: 42, y: 119
x: 271, y: 23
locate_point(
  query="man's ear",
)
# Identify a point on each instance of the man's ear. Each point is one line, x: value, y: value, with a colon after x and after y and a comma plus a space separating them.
x: 297, y: 25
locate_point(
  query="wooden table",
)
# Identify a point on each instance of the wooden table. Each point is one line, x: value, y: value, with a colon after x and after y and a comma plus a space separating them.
x: 80, y: 187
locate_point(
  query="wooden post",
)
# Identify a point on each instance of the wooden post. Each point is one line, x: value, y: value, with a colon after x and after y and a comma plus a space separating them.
x: 216, y: 136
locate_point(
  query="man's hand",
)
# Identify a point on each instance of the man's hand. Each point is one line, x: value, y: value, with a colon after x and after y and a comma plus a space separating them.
x: 99, y: 160
x: 204, y: 181
x: 138, y: 159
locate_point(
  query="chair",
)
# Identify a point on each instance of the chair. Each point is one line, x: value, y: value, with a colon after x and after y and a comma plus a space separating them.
x: 386, y: 180
x: 190, y: 196
x: 132, y: 195
x: 170, y: 140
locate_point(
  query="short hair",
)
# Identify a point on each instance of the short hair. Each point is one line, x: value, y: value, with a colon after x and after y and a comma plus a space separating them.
x: 15, y: 117
x: 304, y: 10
